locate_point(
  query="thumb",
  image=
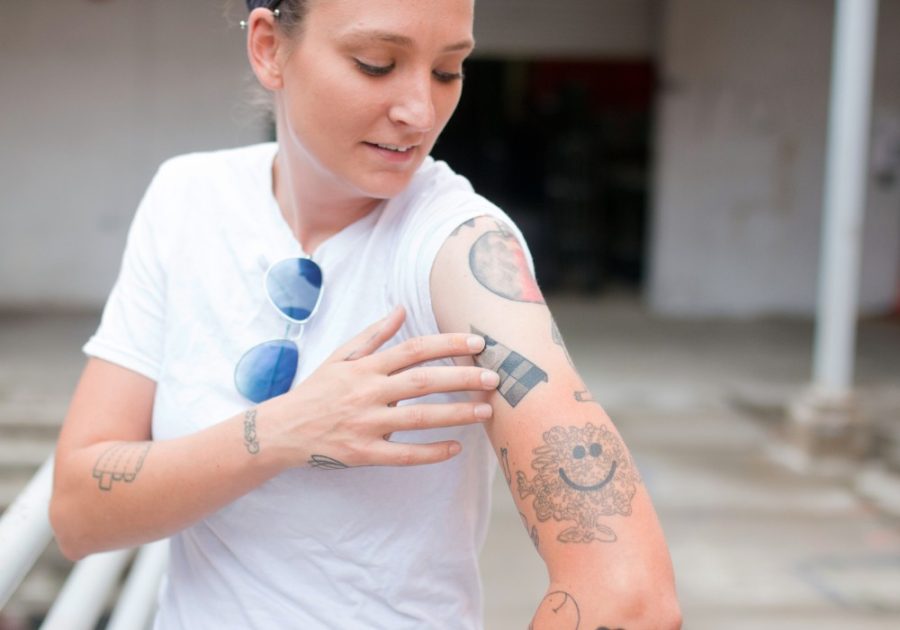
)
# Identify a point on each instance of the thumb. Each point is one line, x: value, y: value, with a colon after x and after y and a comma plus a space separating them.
x: 372, y: 337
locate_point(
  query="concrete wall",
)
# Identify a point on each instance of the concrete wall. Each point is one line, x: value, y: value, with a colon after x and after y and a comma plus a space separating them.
x: 740, y: 158
x: 96, y: 94
x: 568, y: 28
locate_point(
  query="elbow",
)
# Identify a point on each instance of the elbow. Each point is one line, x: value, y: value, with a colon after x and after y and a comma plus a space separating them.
x: 63, y: 529
x: 653, y: 608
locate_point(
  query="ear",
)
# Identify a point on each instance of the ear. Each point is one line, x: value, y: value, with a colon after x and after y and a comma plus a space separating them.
x: 262, y: 48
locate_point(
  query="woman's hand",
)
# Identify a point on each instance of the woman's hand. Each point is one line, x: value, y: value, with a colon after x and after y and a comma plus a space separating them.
x: 344, y: 413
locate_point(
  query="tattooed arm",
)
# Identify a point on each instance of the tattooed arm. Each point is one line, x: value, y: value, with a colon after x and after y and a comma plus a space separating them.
x: 114, y: 487
x: 572, y: 478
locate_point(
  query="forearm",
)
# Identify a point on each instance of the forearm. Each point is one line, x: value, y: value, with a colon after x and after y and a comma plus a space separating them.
x: 591, y: 519
x: 118, y: 494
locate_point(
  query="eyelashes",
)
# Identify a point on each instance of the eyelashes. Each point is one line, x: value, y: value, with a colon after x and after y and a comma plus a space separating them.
x: 374, y: 71
x: 380, y: 71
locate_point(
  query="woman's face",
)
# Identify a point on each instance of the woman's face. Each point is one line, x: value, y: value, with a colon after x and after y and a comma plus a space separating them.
x: 368, y: 87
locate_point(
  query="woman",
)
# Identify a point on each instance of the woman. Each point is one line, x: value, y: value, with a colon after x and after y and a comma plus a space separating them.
x: 310, y: 482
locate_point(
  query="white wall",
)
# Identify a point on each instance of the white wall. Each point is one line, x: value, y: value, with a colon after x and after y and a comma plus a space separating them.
x: 94, y: 96
x: 570, y: 28
x: 740, y: 158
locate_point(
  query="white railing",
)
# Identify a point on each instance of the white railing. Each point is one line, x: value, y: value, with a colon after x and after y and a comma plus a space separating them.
x: 25, y: 533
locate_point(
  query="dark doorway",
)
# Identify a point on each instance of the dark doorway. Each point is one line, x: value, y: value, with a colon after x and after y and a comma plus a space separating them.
x: 564, y: 147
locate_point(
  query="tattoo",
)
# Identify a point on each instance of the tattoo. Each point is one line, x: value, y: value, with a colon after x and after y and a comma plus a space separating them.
x: 558, y: 610
x: 469, y: 223
x: 326, y: 463
x: 250, y: 440
x: 582, y: 473
x: 584, y: 396
x: 498, y: 262
x: 518, y: 375
x: 120, y: 462
x: 531, y: 532
x: 352, y: 356
x: 504, y: 460
x: 558, y: 340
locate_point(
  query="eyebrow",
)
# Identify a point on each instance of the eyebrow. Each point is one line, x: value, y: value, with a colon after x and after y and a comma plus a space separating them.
x: 403, y: 40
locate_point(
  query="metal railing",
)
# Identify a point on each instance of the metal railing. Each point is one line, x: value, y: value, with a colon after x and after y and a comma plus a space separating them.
x: 24, y: 534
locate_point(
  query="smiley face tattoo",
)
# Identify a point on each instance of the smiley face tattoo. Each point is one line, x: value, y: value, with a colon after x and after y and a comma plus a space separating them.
x: 582, y: 474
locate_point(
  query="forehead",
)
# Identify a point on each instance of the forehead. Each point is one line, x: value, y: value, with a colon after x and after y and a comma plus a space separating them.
x: 421, y: 23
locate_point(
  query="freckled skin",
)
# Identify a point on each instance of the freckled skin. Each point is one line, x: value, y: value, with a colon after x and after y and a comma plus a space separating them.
x: 582, y: 473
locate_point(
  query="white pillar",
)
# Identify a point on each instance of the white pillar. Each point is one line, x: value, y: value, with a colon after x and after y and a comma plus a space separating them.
x: 825, y: 432
x: 844, y: 195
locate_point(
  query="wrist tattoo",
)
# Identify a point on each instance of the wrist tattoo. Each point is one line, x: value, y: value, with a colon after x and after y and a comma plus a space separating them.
x: 250, y: 441
x: 120, y: 462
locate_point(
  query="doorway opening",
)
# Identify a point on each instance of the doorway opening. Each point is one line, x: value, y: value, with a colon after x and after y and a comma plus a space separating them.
x: 563, y: 146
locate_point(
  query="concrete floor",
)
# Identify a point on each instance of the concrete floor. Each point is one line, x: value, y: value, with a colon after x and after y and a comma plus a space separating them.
x: 754, y: 544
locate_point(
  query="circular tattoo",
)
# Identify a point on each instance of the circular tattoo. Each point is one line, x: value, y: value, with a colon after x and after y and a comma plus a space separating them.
x: 557, y: 610
x: 498, y: 262
x: 582, y: 473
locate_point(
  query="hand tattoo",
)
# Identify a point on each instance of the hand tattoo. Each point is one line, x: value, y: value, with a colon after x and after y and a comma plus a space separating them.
x: 498, y: 262
x: 250, y: 441
x: 518, y: 375
x: 326, y: 463
x: 584, y: 396
x: 120, y: 462
x: 583, y: 473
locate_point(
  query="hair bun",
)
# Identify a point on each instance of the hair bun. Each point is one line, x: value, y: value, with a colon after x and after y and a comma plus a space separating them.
x: 257, y: 4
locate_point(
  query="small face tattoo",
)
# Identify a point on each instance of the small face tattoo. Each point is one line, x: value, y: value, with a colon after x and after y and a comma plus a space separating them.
x: 581, y: 474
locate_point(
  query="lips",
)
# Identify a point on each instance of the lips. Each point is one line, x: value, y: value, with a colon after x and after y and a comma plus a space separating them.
x: 395, y: 148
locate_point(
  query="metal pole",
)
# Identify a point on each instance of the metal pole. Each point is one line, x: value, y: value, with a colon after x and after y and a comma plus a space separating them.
x: 81, y: 601
x: 137, y: 601
x: 845, y: 188
x: 25, y: 531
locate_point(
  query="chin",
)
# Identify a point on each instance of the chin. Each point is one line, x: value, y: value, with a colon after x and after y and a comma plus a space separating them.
x: 386, y: 185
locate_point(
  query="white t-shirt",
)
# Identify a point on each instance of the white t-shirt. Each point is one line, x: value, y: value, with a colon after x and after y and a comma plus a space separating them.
x: 372, y: 547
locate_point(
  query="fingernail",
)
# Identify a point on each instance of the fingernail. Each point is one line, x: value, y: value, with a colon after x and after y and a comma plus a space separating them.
x: 454, y: 449
x: 483, y: 410
x: 475, y: 343
x: 490, y: 379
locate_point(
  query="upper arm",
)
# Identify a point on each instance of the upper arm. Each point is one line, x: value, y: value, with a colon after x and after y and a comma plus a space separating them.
x: 570, y: 474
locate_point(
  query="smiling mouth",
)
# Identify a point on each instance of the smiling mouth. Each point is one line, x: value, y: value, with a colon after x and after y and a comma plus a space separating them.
x: 596, y: 486
x: 393, y: 147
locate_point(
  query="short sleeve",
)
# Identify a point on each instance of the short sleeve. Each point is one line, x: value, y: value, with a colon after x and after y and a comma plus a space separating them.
x: 422, y: 244
x: 132, y: 327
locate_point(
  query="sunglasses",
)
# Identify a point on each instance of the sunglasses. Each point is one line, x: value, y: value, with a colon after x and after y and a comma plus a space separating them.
x: 294, y: 287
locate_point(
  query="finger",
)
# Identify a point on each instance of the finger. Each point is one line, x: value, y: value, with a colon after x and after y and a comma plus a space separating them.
x: 405, y: 454
x: 422, y: 381
x: 372, y: 337
x: 434, y: 416
x: 420, y: 349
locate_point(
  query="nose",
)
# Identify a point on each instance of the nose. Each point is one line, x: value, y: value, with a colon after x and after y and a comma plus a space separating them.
x: 414, y: 105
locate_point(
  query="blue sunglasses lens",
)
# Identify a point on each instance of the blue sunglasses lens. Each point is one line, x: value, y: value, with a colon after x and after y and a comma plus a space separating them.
x: 294, y: 286
x: 267, y: 370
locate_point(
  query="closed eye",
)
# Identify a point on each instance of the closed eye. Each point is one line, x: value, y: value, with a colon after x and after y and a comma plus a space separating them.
x: 449, y: 77
x: 374, y: 71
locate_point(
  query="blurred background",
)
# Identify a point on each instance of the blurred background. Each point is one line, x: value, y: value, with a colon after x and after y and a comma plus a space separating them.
x: 666, y: 160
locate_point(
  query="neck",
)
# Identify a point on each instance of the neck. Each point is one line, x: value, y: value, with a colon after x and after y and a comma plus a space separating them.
x: 313, y: 209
